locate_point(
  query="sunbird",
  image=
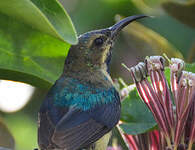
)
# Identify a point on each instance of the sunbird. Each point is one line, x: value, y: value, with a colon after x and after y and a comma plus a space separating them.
x: 83, y: 105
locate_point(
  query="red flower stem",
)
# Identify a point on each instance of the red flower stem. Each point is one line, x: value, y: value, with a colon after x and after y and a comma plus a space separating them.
x: 139, y: 86
x: 162, y: 140
x: 184, y: 100
x: 179, y: 100
x: 132, y: 142
x: 179, y: 132
x: 174, y: 86
x: 154, y: 79
x: 168, y: 107
x: 150, y: 104
x: 192, y: 133
x: 161, y: 88
x: 157, y: 107
x: 122, y: 134
x: 154, y: 140
x: 168, y: 98
x: 154, y: 76
x: 143, y: 141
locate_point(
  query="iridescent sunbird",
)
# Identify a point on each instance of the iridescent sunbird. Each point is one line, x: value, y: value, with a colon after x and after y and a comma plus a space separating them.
x: 83, y: 105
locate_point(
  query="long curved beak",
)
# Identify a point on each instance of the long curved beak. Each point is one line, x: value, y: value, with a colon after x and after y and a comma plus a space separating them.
x: 116, y: 28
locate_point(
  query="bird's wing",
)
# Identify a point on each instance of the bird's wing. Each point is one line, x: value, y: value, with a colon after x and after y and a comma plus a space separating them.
x: 79, y: 129
x: 78, y: 115
x: 48, y: 117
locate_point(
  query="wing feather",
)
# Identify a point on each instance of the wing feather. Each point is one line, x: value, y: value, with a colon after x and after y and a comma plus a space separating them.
x: 79, y: 129
x: 71, y: 127
x: 74, y: 138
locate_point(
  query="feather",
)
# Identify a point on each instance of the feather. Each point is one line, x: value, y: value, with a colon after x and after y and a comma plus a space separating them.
x: 67, y: 125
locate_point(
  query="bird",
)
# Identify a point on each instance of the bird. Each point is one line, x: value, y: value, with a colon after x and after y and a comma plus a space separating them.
x: 83, y: 105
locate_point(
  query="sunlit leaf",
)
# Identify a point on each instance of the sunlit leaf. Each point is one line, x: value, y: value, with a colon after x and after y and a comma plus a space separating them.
x: 46, y: 15
x: 28, y: 55
x: 137, y: 128
x: 143, y: 7
x: 6, y: 139
x: 167, y: 73
x: 135, y: 115
x: 24, y: 130
x: 152, y: 3
x: 191, y: 54
x: 144, y: 39
x: 190, y: 67
x: 184, y: 12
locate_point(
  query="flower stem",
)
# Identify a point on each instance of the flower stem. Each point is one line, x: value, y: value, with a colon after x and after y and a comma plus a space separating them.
x: 172, y: 134
x: 126, y: 67
x: 190, y: 145
x: 167, y: 58
x: 175, y: 147
x: 168, y: 141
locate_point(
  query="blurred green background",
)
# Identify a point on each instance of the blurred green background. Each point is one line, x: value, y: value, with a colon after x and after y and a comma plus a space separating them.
x: 170, y: 31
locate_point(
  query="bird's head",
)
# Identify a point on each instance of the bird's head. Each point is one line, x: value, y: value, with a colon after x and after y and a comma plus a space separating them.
x: 94, y: 48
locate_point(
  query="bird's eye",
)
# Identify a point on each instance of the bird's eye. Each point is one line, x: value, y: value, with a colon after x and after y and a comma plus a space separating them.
x: 99, y: 41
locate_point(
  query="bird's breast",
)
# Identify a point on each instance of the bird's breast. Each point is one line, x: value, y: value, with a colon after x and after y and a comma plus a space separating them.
x: 82, y: 95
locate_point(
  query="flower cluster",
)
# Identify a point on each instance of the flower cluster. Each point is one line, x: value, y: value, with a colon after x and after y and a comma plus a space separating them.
x: 174, y: 111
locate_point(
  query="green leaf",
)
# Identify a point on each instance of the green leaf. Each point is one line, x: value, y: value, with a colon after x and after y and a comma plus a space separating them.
x: 24, y: 130
x: 190, y: 67
x: 135, y: 115
x: 137, y: 128
x: 28, y: 55
x: 167, y: 73
x: 183, y: 12
x: 45, y: 15
x: 152, y: 3
x: 6, y: 139
x: 191, y: 54
x: 143, y: 7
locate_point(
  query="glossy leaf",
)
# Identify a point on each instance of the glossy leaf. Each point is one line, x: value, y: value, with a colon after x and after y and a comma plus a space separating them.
x: 45, y: 15
x: 183, y: 12
x: 167, y: 73
x: 191, y: 54
x: 152, y: 3
x: 190, y: 67
x: 135, y: 115
x: 143, y: 7
x: 28, y: 55
x: 137, y: 128
x: 6, y: 139
x: 24, y: 130
x: 150, y: 40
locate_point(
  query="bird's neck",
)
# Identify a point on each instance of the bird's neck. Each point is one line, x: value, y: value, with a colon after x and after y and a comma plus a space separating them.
x: 79, y: 67
x: 98, y: 76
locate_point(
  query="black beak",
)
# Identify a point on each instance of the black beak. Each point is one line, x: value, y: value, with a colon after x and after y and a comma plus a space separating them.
x: 116, y: 28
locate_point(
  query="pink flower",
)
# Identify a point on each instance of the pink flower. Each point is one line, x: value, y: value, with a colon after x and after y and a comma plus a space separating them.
x: 174, y: 124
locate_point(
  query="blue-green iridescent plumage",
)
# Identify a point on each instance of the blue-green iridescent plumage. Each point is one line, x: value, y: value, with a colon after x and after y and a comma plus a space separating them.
x: 83, y: 96
x: 86, y: 105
